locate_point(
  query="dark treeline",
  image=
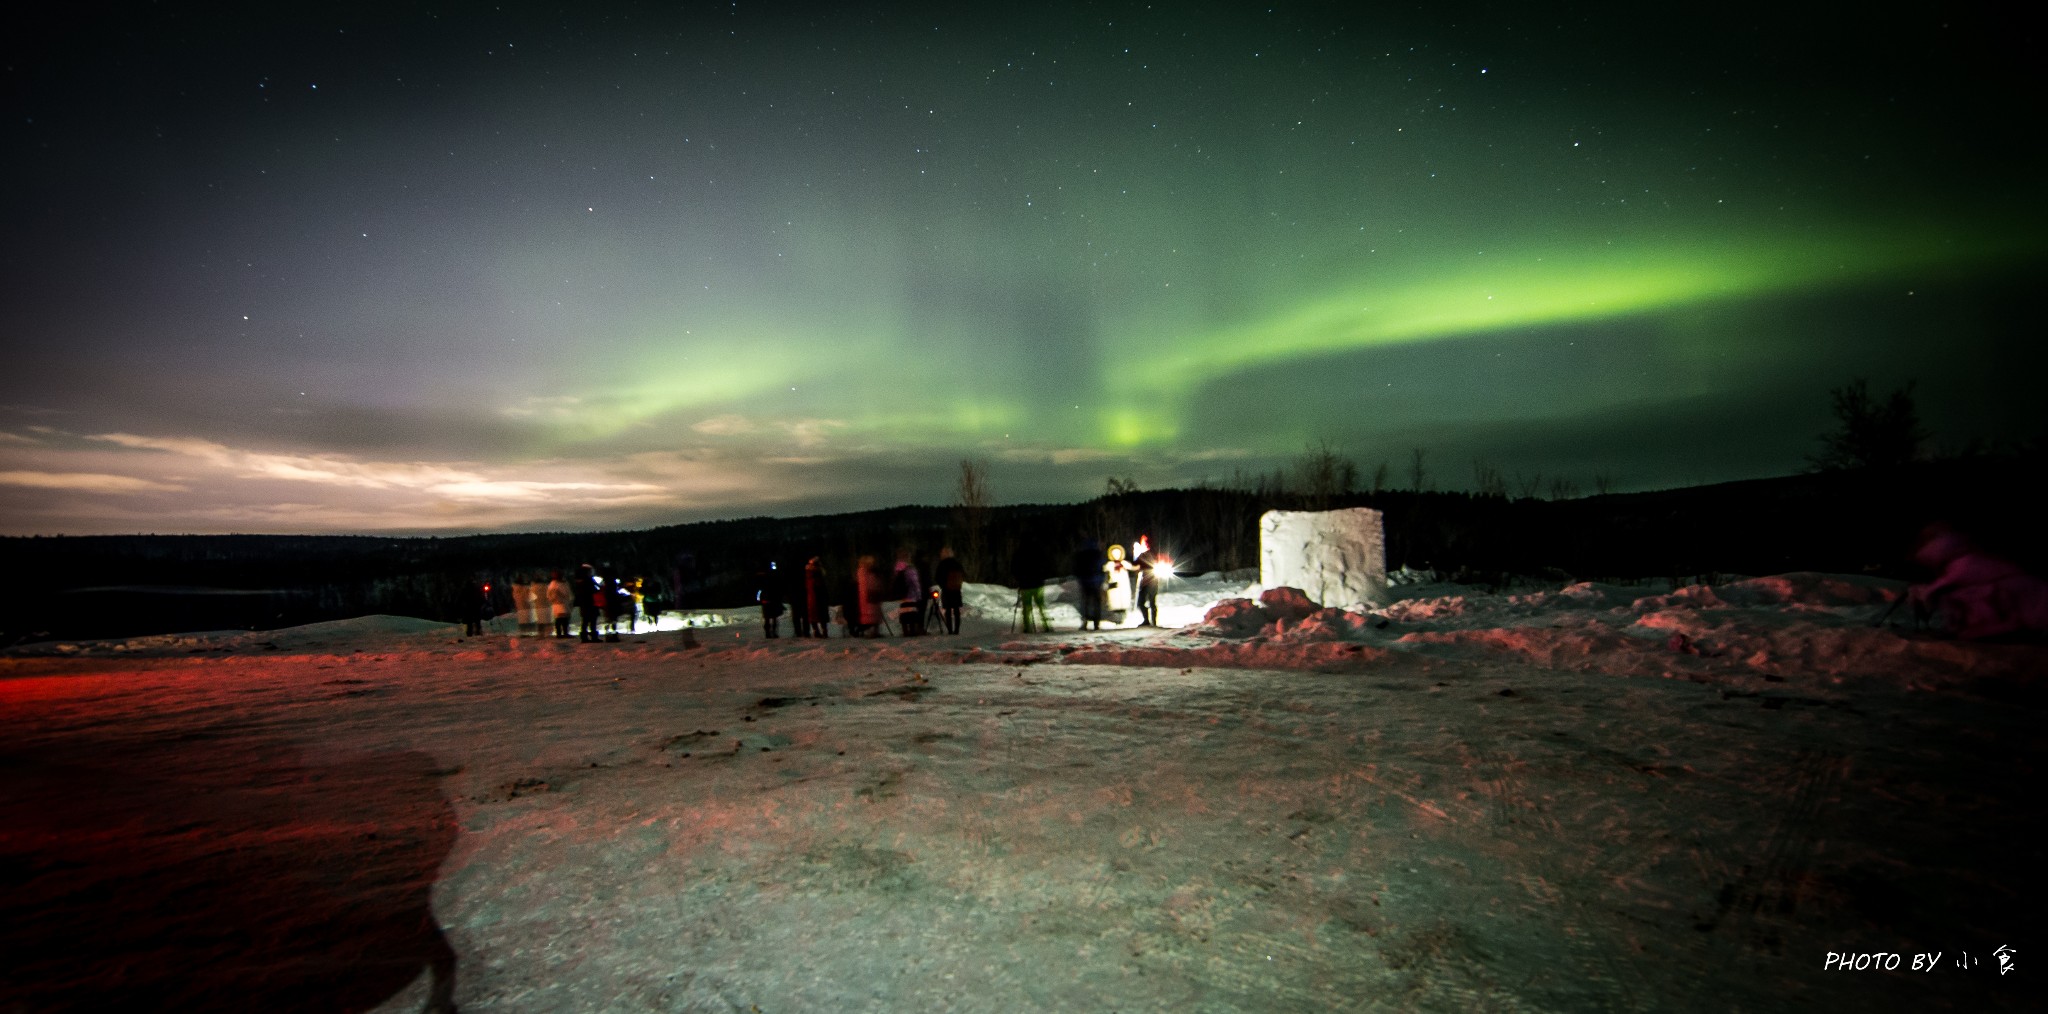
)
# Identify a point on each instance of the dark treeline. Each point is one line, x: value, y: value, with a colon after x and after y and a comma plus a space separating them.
x: 1841, y: 521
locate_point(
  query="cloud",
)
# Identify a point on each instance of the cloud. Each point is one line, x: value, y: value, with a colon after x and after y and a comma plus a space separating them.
x: 324, y: 468
x: 458, y: 482
x: 726, y: 426
x: 91, y: 482
x: 805, y: 432
x: 593, y: 493
x: 1060, y: 455
x: 811, y: 432
x: 564, y: 406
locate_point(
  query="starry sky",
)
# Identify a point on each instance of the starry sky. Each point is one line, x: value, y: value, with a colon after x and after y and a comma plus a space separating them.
x: 487, y: 267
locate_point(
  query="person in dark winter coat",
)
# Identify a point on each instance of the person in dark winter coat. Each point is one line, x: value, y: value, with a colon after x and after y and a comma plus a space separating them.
x: 909, y: 591
x: 618, y: 602
x: 950, y: 577
x: 1088, y: 579
x: 474, y: 608
x: 1028, y: 568
x: 584, y: 591
x: 768, y: 592
x: 1147, y: 563
x: 817, y: 598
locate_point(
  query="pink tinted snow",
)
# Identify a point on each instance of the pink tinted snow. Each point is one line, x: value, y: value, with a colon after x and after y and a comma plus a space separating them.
x: 1234, y: 618
x: 1285, y: 603
x: 1807, y: 625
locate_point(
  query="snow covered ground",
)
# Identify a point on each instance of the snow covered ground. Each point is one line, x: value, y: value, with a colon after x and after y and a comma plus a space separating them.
x: 1572, y: 798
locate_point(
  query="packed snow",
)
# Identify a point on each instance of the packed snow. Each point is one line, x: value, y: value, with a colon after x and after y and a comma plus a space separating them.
x: 1574, y: 797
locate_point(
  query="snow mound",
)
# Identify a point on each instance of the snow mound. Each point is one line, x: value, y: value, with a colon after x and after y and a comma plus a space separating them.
x: 1808, y: 590
x: 364, y: 626
x: 1804, y: 591
x: 358, y: 630
x: 1234, y: 618
x: 1284, y: 603
x: 1588, y: 595
x: 1285, y: 613
x: 1421, y: 610
x: 1255, y: 654
x: 1330, y: 625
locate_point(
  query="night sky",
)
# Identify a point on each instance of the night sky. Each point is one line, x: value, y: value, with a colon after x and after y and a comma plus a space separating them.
x: 500, y: 267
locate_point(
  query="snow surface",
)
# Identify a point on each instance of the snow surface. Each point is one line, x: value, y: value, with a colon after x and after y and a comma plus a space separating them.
x: 1587, y: 797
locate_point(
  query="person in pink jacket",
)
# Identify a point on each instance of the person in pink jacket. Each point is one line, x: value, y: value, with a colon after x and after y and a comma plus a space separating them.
x: 868, y: 593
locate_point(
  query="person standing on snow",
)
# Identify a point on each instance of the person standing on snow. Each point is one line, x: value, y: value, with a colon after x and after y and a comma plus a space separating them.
x: 559, y: 599
x: 1118, y: 574
x: 1147, y: 565
x: 1088, y: 572
x: 951, y: 577
x: 768, y: 593
x: 867, y: 594
x: 618, y: 602
x: 1027, y: 568
x: 474, y: 606
x: 817, y: 598
x: 909, y: 588
x: 585, y: 592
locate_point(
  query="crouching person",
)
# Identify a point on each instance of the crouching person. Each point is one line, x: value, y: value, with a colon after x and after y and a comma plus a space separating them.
x: 1978, y: 595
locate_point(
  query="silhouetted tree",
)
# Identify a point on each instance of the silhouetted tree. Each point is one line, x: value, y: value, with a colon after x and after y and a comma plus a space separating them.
x: 1487, y: 479
x: 1869, y: 433
x: 1324, y: 475
x: 970, y: 514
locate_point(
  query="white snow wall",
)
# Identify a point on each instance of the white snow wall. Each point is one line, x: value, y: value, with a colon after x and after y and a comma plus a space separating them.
x: 1339, y: 558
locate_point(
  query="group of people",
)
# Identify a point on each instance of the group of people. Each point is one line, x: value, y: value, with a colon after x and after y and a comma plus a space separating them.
x: 1110, y: 586
x: 600, y: 600
x: 864, y: 612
